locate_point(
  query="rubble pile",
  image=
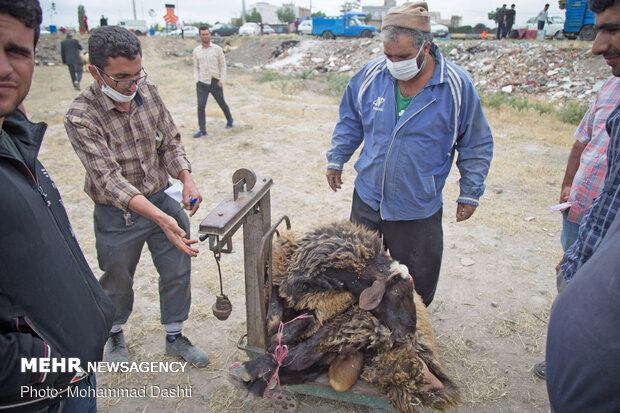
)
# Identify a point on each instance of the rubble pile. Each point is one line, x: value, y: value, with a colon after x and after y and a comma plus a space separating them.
x: 557, y: 71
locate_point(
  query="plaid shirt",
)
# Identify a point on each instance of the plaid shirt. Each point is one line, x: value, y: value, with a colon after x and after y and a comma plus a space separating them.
x: 589, y: 179
x: 209, y: 62
x: 604, y: 208
x: 125, y: 153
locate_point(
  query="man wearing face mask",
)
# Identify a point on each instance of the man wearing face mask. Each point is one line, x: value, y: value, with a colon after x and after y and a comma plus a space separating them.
x: 412, y: 109
x: 130, y: 146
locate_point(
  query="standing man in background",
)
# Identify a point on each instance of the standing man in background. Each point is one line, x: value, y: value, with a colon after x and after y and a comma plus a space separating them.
x: 70, y: 54
x: 542, y: 17
x: 501, y: 24
x: 509, y: 20
x: 210, y: 73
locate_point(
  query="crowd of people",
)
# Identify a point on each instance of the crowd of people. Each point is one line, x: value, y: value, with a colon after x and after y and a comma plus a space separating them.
x: 413, y: 111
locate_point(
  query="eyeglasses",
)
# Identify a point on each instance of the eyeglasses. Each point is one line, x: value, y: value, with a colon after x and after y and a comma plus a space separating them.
x: 125, y: 84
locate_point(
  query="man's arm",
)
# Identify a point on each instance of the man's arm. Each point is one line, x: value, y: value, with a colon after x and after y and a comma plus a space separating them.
x: 196, y: 66
x: 571, y: 169
x: 475, y: 146
x: 222, y: 66
x: 347, y: 137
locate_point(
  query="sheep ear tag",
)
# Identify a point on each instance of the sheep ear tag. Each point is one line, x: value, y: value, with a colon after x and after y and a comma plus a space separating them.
x: 371, y: 297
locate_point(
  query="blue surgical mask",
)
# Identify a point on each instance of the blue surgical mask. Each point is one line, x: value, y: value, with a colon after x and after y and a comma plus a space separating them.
x: 406, y: 69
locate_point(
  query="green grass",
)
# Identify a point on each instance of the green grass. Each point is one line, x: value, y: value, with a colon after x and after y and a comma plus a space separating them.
x: 336, y: 83
x: 571, y: 113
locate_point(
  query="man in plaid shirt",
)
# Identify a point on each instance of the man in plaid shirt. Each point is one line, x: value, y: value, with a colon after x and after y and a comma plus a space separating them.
x: 130, y: 146
x: 582, y: 342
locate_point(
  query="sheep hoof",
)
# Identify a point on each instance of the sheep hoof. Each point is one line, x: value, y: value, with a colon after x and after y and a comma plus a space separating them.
x: 240, y: 374
x: 286, y: 403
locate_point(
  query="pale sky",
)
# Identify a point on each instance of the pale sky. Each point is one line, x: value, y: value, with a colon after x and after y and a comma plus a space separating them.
x: 473, y: 12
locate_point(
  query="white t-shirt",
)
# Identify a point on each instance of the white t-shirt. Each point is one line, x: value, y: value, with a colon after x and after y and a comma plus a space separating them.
x: 542, y: 16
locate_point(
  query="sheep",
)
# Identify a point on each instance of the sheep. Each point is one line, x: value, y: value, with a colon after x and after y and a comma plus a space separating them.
x: 363, y: 313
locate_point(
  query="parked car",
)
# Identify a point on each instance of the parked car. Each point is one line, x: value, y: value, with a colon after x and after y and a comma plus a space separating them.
x: 267, y: 29
x: 188, y: 32
x: 139, y: 27
x: 439, y: 30
x: 224, y: 29
x: 555, y: 29
x: 305, y: 27
x: 249, y: 28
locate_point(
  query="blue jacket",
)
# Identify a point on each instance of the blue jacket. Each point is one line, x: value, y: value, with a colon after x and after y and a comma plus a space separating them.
x: 404, y: 163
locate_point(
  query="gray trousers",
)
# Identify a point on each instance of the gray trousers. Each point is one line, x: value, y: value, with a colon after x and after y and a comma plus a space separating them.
x: 119, y: 247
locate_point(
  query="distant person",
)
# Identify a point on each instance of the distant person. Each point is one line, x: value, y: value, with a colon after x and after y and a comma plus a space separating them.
x: 585, y: 170
x: 130, y: 147
x: 297, y: 26
x: 103, y: 21
x: 210, y: 73
x: 411, y: 111
x: 182, y: 28
x: 583, y: 361
x: 51, y: 305
x: 262, y: 27
x: 509, y: 20
x: 542, y: 17
x: 70, y: 54
x: 85, y: 23
x: 501, y: 23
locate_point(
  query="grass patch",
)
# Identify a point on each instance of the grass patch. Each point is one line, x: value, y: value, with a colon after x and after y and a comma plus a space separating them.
x: 336, y: 83
x: 571, y: 113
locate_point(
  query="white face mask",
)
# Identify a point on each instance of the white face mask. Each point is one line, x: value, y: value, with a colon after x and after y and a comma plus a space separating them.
x: 115, y: 95
x: 406, y: 69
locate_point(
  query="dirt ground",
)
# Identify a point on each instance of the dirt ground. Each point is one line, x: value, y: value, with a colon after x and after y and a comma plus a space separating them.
x: 497, y: 280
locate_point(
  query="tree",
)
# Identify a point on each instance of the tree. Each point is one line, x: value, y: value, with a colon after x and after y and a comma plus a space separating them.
x: 367, y: 17
x: 493, y: 14
x: 286, y: 15
x: 350, y: 5
x: 318, y: 14
x: 237, y: 21
x: 479, y: 28
x: 562, y: 4
x: 81, y: 15
x: 254, y: 17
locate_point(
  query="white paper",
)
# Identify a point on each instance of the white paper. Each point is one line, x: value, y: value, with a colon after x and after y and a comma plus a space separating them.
x: 175, y: 192
x: 561, y: 207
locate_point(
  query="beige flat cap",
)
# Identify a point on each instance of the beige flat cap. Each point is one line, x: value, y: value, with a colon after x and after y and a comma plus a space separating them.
x: 410, y: 15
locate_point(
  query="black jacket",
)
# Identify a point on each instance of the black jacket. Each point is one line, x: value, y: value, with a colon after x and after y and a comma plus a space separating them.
x: 51, y: 304
x: 70, y: 52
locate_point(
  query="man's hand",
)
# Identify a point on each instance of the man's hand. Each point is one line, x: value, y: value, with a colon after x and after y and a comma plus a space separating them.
x: 219, y: 83
x: 176, y: 235
x: 464, y: 211
x: 334, y: 178
x: 191, y: 195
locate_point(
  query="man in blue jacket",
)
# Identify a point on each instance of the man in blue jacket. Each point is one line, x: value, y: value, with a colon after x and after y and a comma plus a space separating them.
x: 412, y: 109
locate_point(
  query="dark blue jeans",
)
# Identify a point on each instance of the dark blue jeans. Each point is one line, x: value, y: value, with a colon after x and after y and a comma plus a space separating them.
x: 418, y: 244
x: 202, y: 92
x: 77, y: 404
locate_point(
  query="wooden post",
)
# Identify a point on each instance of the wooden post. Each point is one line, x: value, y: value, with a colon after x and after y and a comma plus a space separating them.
x: 256, y: 224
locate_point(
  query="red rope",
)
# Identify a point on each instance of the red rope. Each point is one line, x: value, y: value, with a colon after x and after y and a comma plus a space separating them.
x: 279, y: 354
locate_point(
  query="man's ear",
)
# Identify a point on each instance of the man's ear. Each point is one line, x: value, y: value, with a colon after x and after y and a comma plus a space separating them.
x: 95, y: 73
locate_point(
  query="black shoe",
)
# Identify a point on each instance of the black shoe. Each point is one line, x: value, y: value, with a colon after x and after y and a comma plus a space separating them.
x: 540, y: 369
x: 200, y: 133
x: 229, y: 124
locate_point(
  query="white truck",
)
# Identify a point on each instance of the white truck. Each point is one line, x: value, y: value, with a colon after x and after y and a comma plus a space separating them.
x: 139, y: 27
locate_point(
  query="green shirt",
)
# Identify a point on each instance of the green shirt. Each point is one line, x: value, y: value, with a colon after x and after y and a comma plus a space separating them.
x: 7, y: 143
x: 401, y: 102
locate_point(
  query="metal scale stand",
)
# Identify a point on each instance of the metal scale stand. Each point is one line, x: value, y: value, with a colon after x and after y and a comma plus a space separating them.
x: 250, y: 207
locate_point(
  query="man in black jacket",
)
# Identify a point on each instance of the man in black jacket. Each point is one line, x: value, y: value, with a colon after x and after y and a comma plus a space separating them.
x: 70, y: 54
x: 52, y: 309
